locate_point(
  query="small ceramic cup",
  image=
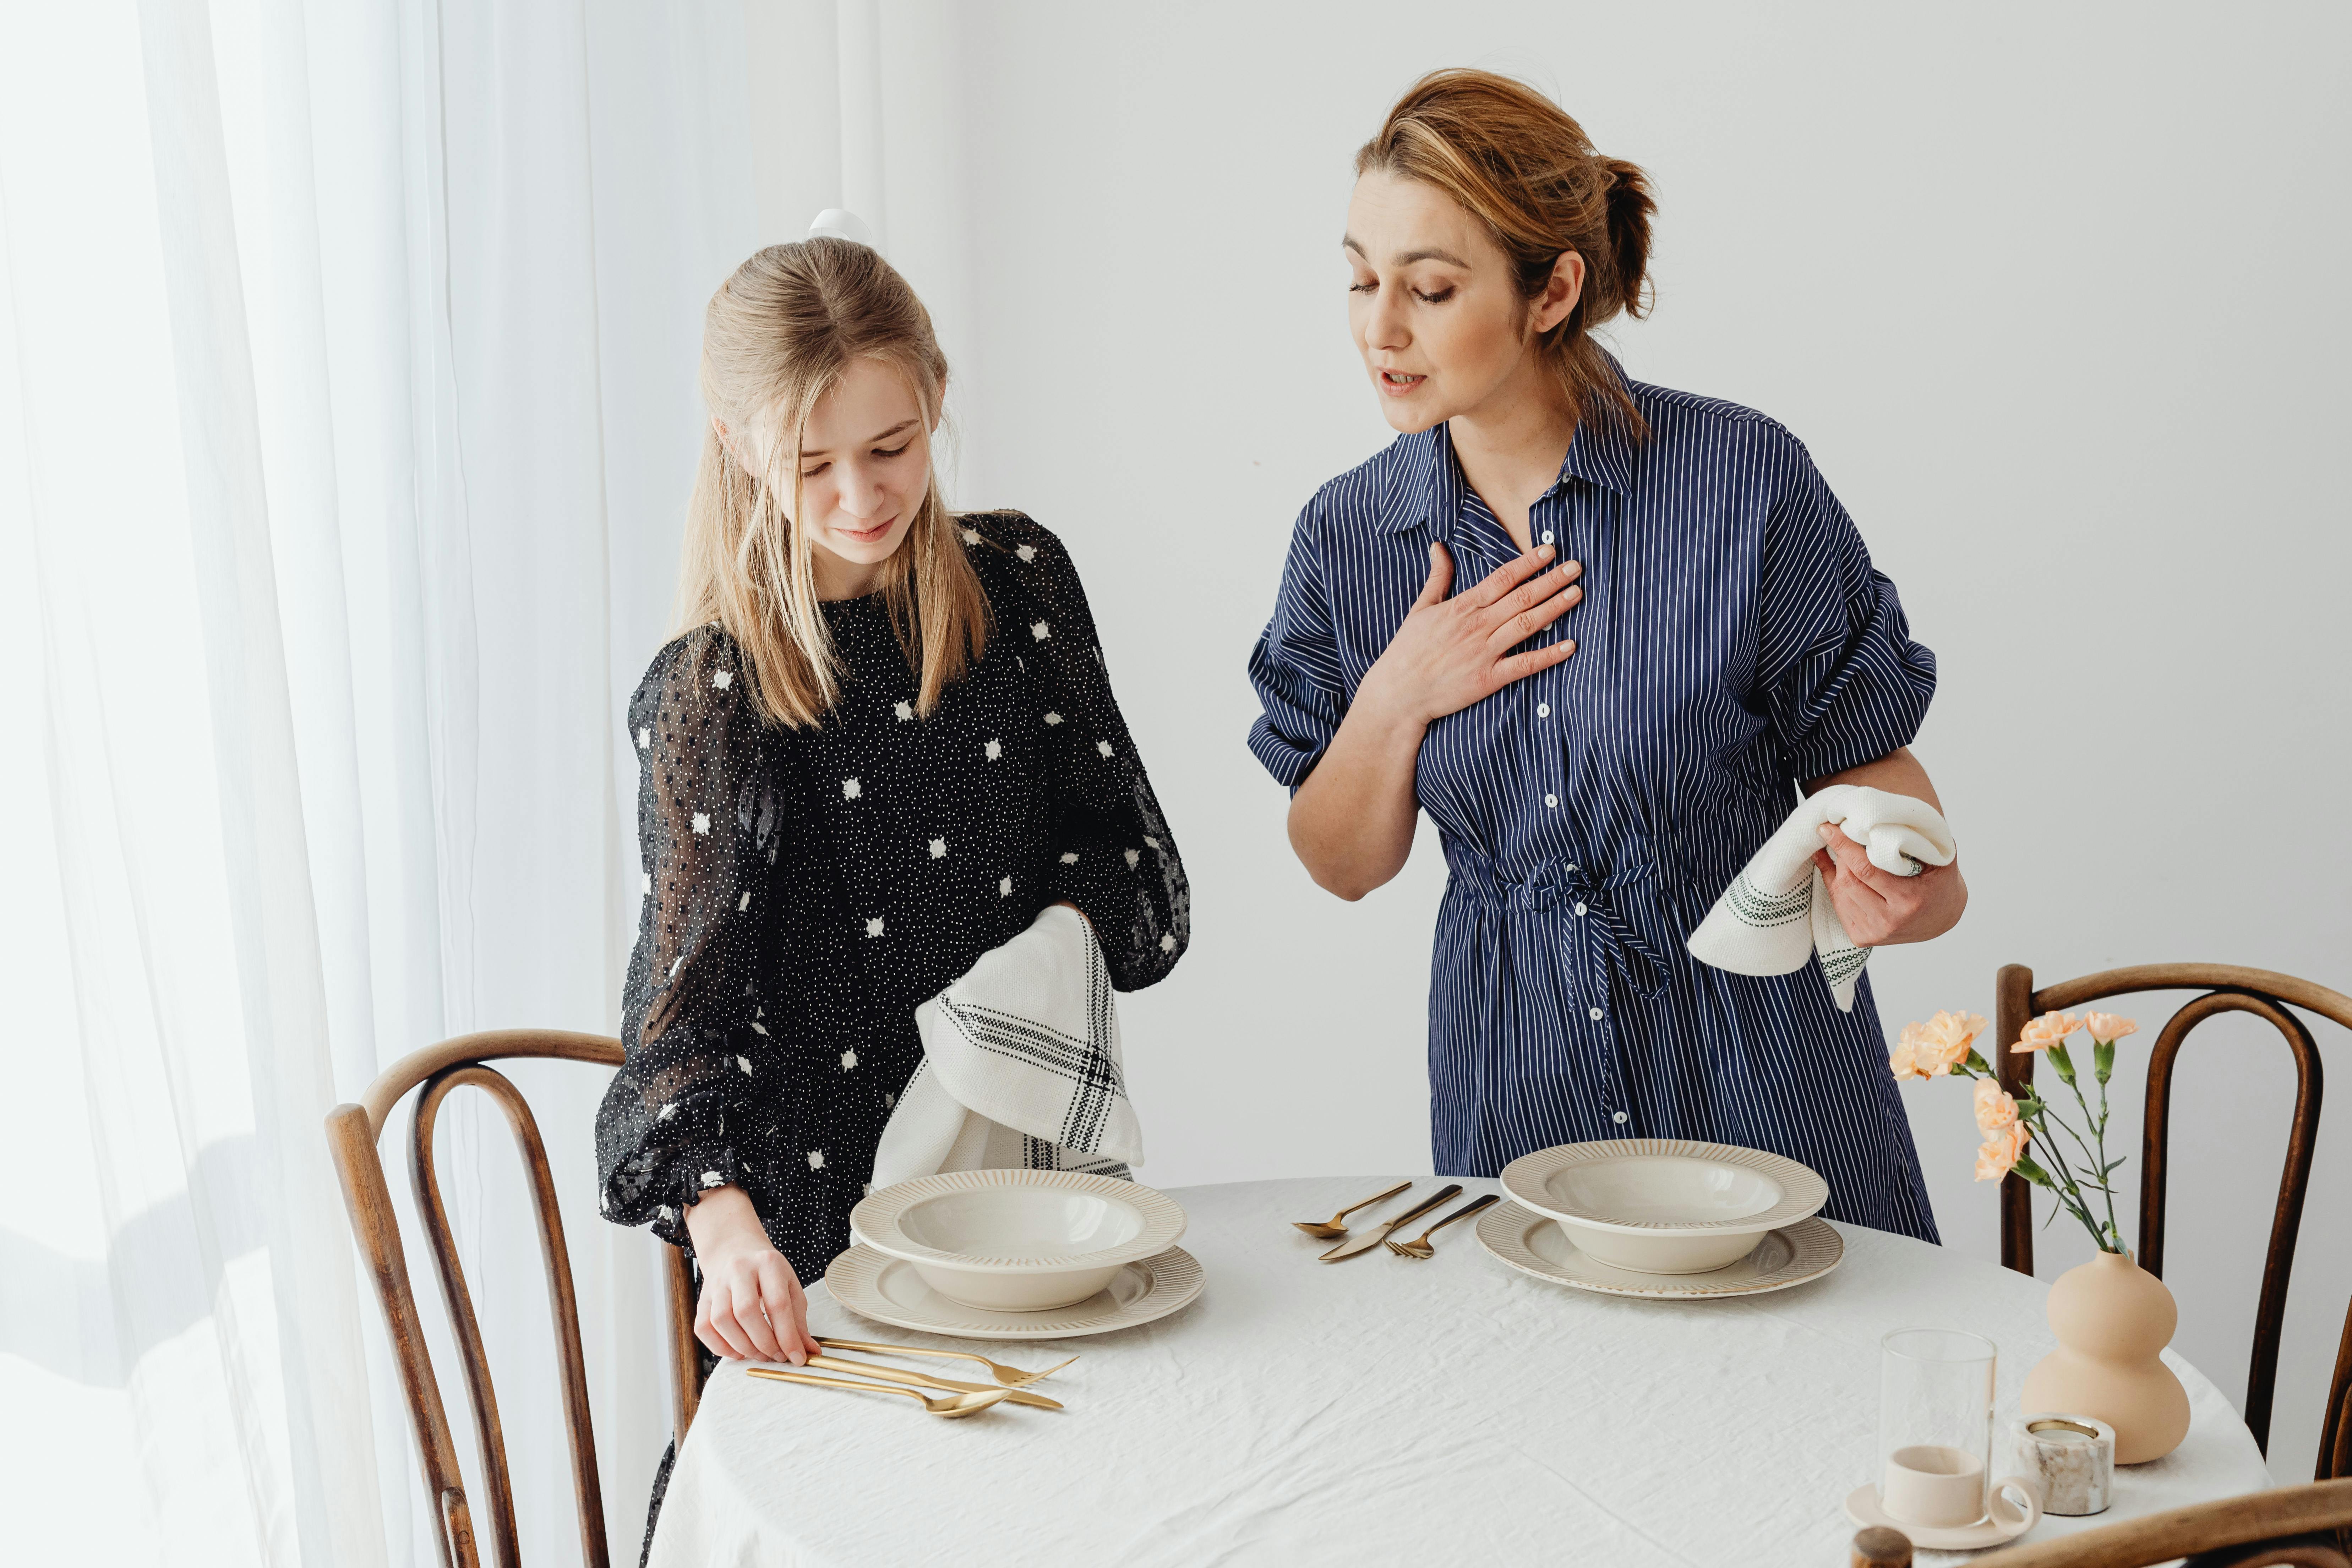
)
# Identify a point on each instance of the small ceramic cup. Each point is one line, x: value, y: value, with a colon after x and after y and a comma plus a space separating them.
x: 2074, y: 1457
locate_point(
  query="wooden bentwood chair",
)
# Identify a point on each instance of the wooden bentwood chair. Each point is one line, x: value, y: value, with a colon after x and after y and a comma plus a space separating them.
x: 352, y: 1133
x: 2227, y: 989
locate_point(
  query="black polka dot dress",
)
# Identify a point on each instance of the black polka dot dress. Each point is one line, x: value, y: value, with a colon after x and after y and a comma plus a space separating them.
x: 805, y: 890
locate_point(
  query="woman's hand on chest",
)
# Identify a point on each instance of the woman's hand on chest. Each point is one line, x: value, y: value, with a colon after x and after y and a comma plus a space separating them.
x: 1452, y: 652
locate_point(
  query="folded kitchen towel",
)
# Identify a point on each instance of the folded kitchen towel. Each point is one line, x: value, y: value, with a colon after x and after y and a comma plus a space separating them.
x: 1021, y: 1066
x: 1775, y: 913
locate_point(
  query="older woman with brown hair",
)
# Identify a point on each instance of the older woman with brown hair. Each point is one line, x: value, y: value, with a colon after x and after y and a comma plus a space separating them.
x: 1732, y: 649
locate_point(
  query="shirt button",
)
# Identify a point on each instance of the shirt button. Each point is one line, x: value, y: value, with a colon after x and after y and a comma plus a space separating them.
x: 1619, y: 1117
x: 1543, y: 710
x: 1552, y: 801
x: 1596, y: 1015
x: 1580, y: 909
x: 1547, y: 538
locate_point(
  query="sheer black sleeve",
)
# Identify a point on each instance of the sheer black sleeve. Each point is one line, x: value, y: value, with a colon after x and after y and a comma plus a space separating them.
x: 1114, y: 858
x: 708, y: 817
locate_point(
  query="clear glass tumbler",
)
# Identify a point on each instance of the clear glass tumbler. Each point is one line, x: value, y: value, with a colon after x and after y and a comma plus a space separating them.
x: 1934, y: 1427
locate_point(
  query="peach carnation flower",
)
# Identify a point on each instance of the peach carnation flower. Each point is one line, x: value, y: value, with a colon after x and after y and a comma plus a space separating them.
x: 1995, y: 1108
x: 2048, y: 1030
x: 1942, y: 1042
x: 2000, y: 1151
x: 2106, y: 1028
x: 1903, y: 1056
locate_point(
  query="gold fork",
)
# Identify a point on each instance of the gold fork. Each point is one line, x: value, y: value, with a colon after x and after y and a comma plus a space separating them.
x: 924, y: 1380
x: 1010, y: 1376
x: 953, y: 1407
x: 1419, y: 1246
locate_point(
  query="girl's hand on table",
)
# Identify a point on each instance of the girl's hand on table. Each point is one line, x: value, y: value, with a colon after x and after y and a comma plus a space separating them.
x: 752, y: 1307
x: 1879, y: 908
x: 1451, y: 653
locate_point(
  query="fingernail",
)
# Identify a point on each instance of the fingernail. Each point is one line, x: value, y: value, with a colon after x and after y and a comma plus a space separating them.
x: 1545, y: 550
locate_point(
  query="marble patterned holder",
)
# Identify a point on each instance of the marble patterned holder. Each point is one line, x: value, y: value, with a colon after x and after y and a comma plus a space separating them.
x: 2074, y: 1457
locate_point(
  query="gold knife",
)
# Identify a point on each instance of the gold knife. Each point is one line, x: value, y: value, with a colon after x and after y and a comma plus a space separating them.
x: 924, y: 1380
x: 1373, y: 1237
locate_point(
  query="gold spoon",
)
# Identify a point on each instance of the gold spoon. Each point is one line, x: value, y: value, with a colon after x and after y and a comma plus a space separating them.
x: 1010, y: 1376
x: 1419, y: 1247
x: 953, y: 1407
x: 1332, y: 1229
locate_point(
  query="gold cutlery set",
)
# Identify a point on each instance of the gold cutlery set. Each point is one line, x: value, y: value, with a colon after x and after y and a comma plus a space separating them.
x: 1384, y: 1234
x: 959, y: 1399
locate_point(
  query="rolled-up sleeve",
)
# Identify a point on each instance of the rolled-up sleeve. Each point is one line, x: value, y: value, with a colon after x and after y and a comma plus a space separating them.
x: 1839, y: 674
x: 1294, y: 667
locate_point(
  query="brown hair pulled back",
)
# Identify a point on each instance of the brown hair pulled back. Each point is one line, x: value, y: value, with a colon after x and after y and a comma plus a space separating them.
x: 1516, y: 160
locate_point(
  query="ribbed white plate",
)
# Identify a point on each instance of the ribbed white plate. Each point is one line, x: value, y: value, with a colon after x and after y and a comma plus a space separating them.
x: 1529, y: 1182
x: 889, y: 1290
x: 1535, y: 1244
x: 1153, y: 1220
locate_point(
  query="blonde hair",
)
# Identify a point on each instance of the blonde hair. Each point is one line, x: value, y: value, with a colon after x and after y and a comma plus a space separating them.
x: 1516, y: 160
x: 776, y: 339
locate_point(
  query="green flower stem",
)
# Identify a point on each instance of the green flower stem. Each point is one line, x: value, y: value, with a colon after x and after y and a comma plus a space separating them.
x: 2071, y: 1194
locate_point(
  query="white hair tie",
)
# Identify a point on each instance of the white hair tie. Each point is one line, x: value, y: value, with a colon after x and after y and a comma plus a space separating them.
x: 840, y: 223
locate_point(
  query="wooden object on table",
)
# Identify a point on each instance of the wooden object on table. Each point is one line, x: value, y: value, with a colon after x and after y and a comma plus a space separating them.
x: 353, y: 1131
x: 1879, y: 1547
x: 2292, y: 1525
x: 2227, y: 988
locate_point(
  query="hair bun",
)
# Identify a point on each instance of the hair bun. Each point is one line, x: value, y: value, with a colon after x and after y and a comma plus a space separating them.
x: 840, y: 223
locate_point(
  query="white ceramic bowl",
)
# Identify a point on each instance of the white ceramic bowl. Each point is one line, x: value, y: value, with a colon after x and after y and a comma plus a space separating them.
x: 1017, y: 1241
x: 1665, y: 1206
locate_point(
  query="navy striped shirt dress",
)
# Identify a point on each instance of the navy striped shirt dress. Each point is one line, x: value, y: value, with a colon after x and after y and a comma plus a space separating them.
x: 1733, y: 640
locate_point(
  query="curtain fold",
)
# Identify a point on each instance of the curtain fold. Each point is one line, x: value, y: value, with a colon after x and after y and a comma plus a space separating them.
x: 347, y: 414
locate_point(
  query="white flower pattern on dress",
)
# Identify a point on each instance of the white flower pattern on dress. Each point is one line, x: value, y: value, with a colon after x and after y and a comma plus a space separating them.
x: 717, y: 958
x: 817, y: 1158
x: 702, y: 822
x: 938, y: 849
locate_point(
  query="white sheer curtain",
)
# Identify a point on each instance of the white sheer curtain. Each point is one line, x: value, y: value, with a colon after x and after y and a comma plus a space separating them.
x: 346, y: 413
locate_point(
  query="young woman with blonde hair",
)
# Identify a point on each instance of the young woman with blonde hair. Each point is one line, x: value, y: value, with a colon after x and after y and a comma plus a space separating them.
x: 1732, y: 647
x: 883, y: 742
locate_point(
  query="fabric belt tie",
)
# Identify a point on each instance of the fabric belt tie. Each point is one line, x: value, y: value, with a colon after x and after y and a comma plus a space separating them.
x: 1557, y: 886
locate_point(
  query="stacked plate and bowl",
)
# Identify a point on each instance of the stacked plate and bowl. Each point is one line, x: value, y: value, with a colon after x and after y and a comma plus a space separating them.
x: 1015, y: 1255
x: 1663, y: 1217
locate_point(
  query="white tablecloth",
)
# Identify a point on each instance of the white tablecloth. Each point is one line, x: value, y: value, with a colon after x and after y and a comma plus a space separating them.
x: 1379, y: 1411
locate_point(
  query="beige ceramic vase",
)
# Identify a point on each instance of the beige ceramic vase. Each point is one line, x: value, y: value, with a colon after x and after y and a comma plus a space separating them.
x: 2112, y: 1317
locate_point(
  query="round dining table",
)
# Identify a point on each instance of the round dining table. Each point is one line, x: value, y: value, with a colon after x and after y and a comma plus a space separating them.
x: 1379, y: 1410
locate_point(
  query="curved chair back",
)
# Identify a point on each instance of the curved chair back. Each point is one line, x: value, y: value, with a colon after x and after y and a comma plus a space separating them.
x: 2293, y: 1527
x: 2226, y: 989
x: 353, y: 1132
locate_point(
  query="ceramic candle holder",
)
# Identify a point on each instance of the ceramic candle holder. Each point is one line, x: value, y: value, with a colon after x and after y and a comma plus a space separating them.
x: 2074, y: 1457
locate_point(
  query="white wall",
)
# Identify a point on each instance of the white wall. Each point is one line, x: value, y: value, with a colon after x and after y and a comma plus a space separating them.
x: 2055, y: 298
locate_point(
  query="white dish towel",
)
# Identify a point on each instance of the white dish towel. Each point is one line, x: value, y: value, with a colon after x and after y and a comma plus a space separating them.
x: 1776, y: 914
x: 1021, y: 1066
